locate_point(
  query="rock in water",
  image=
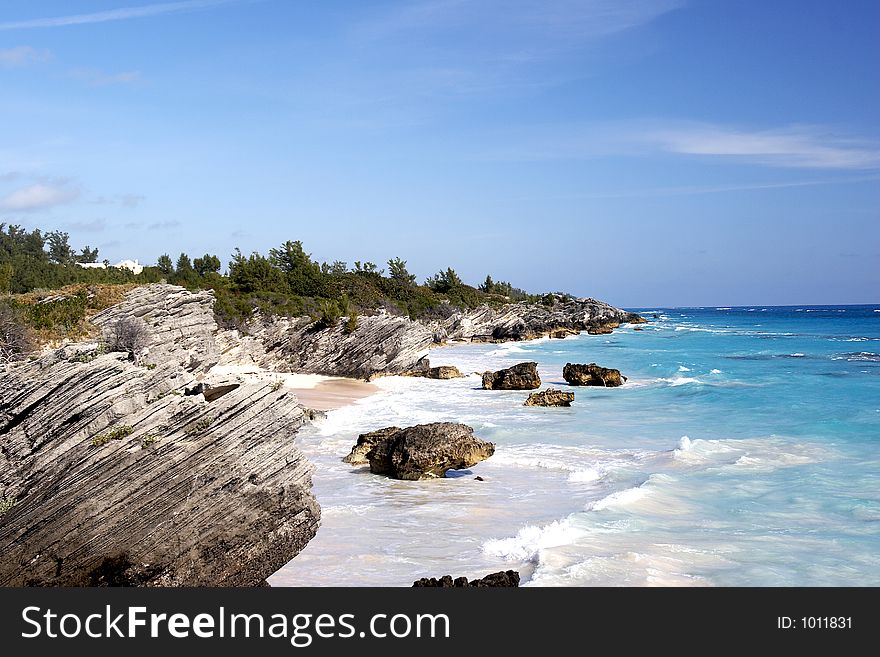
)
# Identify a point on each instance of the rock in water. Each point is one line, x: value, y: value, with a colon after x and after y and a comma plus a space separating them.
x: 550, y: 397
x: 503, y: 578
x: 522, y: 376
x: 592, y: 375
x: 439, y: 372
x: 366, y: 442
x: 425, y: 451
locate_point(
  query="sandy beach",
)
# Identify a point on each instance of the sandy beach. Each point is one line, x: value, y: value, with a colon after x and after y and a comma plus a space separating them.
x: 315, y: 391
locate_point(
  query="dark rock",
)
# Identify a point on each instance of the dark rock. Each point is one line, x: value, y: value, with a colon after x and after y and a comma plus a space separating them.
x: 366, y: 442
x: 425, y: 451
x: 635, y: 318
x: 561, y: 334
x: 522, y: 376
x: 439, y: 372
x: 603, y: 329
x: 503, y: 578
x: 478, y: 478
x: 638, y: 328
x: 592, y: 375
x: 550, y: 397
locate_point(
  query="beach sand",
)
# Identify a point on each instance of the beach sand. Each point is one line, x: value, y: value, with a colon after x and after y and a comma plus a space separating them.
x: 315, y: 391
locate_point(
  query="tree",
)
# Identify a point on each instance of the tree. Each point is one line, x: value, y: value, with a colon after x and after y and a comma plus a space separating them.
x: 87, y: 255
x: 338, y: 268
x: 7, y: 271
x: 60, y: 252
x: 488, y: 285
x: 207, y: 264
x: 398, y: 271
x: 164, y: 264
x: 184, y: 266
x: 444, y: 281
x: 290, y: 257
x: 128, y: 334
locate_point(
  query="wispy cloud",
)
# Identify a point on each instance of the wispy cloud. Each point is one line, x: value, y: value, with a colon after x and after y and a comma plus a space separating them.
x: 100, y: 79
x: 124, y: 13
x: 163, y: 225
x: 22, y: 56
x: 40, y: 196
x: 125, y: 200
x: 797, y: 146
x: 794, y: 147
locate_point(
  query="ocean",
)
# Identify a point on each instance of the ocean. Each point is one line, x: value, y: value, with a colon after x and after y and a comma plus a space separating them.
x: 744, y: 450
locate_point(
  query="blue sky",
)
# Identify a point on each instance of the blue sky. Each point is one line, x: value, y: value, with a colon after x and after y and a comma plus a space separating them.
x: 648, y: 152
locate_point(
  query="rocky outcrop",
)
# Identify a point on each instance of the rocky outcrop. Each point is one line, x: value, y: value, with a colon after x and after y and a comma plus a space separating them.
x: 592, y: 375
x: 524, y: 321
x: 522, y: 376
x: 550, y: 397
x: 439, y: 372
x: 366, y: 442
x: 425, y: 451
x: 503, y: 578
x: 115, y: 475
x: 384, y: 344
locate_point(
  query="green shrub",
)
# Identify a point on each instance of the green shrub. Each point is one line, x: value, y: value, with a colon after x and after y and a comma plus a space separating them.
x: 148, y: 440
x: 117, y: 433
x: 6, y: 504
x: 352, y: 323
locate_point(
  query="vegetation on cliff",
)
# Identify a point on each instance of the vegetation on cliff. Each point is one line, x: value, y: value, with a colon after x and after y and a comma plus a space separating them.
x: 286, y: 282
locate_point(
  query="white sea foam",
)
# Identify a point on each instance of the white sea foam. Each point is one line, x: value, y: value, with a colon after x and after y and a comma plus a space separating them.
x: 530, y: 540
x: 622, y: 498
x: 680, y: 380
x: 715, y: 371
x: 682, y: 368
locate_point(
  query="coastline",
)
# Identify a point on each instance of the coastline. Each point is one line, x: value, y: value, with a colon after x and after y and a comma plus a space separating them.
x: 314, y: 391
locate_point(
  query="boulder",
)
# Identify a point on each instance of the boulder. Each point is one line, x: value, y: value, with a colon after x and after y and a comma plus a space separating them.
x: 603, y: 329
x: 503, y: 578
x: 550, y: 397
x: 592, y: 375
x: 439, y: 372
x: 425, y: 451
x: 522, y: 376
x: 366, y: 442
x: 638, y: 328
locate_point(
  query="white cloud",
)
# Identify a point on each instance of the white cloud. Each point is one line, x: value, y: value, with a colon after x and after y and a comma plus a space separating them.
x: 22, y: 56
x: 100, y: 79
x: 124, y: 13
x: 796, y: 146
x: 39, y: 196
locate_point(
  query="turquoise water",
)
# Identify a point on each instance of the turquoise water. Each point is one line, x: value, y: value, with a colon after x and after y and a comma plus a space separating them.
x: 744, y: 449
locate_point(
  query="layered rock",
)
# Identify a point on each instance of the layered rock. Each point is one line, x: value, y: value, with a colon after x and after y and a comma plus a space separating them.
x: 524, y: 321
x: 425, y: 451
x: 592, y: 375
x: 550, y: 397
x: 120, y: 477
x: 503, y: 578
x: 522, y: 376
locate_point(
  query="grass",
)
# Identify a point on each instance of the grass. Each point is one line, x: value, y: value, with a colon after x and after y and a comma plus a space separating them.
x: 199, y: 427
x: 6, y: 504
x: 148, y: 440
x: 117, y: 433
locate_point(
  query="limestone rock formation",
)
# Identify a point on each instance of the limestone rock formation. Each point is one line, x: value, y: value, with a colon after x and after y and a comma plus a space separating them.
x: 116, y: 476
x: 592, y: 375
x: 425, y: 451
x: 366, y: 442
x: 550, y: 397
x: 503, y: 578
x: 522, y: 376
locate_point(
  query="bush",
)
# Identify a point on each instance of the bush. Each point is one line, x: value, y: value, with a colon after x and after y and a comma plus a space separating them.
x: 330, y: 313
x: 127, y: 334
x: 352, y: 323
x: 117, y: 433
x: 15, y: 336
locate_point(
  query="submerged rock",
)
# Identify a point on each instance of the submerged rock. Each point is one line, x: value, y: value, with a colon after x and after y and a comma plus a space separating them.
x: 425, y: 451
x: 503, y: 578
x: 366, y: 442
x: 522, y: 376
x: 592, y: 375
x: 550, y: 397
